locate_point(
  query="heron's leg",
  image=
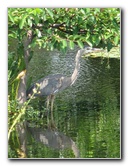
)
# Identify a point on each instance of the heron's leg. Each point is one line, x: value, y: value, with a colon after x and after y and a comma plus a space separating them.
x: 48, y: 101
x: 47, y: 106
x: 52, y: 101
x: 52, y: 124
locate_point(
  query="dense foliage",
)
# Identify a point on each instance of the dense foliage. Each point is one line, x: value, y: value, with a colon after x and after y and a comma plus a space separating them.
x: 60, y: 27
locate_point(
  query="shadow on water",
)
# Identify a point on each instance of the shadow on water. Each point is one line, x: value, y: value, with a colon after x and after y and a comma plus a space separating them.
x: 86, y: 115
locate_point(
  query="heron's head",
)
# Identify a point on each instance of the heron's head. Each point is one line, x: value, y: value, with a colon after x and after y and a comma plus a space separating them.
x: 89, y: 50
x: 86, y: 50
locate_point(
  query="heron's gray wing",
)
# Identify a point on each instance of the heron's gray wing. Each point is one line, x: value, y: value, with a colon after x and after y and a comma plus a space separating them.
x: 50, y: 85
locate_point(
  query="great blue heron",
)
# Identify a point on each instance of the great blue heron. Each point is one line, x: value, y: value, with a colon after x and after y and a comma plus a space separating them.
x: 51, y: 84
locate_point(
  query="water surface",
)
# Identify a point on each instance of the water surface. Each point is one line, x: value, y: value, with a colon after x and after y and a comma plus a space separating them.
x: 86, y: 117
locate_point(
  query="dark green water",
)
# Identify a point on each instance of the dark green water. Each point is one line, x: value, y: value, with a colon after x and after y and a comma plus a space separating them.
x: 86, y: 115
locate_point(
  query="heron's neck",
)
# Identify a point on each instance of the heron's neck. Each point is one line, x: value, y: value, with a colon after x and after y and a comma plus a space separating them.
x: 74, y: 76
x: 75, y: 73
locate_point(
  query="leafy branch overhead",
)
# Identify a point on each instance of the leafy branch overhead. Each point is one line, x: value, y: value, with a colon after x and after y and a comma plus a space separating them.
x: 63, y: 27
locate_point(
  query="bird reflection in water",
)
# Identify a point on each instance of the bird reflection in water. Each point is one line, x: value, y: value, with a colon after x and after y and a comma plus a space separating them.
x: 54, y: 139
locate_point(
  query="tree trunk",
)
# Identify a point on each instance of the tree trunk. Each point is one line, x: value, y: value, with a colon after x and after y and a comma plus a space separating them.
x: 21, y: 127
x: 22, y: 86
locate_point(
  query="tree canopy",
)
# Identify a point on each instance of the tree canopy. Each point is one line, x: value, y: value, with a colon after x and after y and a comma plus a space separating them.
x: 63, y: 27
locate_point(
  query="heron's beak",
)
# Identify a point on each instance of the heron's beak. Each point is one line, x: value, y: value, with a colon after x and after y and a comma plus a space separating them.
x: 90, y: 50
x: 96, y: 50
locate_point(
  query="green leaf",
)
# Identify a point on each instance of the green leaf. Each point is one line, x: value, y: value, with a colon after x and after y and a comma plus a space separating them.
x: 34, y: 12
x: 109, y: 46
x: 32, y: 45
x: 22, y: 22
x: 71, y: 44
x: 49, y: 12
x: 11, y: 18
x: 97, y: 10
x: 76, y: 37
x: 49, y: 31
x: 51, y: 47
x: 116, y: 40
x: 38, y: 33
x: 82, y: 11
x: 106, y: 36
x: 36, y: 19
x: 88, y: 10
x: 80, y: 44
x: 64, y: 43
x: 38, y: 10
x: 30, y: 22
x: 12, y: 35
x: 97, y: 41
x: 89, y: 43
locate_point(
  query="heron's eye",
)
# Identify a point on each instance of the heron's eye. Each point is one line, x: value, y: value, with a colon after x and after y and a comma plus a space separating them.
x: 88, y: 48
